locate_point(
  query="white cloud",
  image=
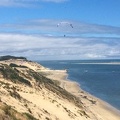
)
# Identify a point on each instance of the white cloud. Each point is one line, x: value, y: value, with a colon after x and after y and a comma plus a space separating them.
x: 41, y: 47
x: 11, y: 3
x: 25, y: 3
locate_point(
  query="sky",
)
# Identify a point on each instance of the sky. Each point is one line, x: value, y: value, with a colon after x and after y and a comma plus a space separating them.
x: 60, y: 29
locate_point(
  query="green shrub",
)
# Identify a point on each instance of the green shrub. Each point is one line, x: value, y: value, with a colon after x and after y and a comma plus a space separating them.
x: 29, y: 116
x: 13, y: 65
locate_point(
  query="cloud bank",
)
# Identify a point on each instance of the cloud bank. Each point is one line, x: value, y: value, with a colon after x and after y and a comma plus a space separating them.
x: 41, y: 47
x: 43, y: 39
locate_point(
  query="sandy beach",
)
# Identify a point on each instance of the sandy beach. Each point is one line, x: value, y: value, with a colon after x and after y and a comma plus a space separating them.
x: 44, y: 104
x: 101, y: 109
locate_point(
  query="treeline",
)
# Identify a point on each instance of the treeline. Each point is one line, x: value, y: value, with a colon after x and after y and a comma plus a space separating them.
x: 7, y: 57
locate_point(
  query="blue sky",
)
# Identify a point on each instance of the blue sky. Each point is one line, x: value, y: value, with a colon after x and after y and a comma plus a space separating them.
x: 41, y: 29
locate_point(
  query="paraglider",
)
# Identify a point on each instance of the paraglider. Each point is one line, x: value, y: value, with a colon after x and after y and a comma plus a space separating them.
x: 65, y: 24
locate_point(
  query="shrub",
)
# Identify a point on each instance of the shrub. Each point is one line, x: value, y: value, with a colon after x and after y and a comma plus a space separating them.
x: 29, y: 116
x: 13, y: 65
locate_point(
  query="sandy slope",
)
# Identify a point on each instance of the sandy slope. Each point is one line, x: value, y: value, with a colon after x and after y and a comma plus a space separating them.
x: 40, y: 103
x: 46, y: 105
x: 100, y: 110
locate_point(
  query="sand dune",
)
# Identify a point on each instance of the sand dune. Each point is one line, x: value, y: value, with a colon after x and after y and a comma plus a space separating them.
x: 44, y: 104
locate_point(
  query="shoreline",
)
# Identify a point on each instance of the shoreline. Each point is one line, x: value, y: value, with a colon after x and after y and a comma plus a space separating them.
x: 99, y: 108
x: 104, y: 104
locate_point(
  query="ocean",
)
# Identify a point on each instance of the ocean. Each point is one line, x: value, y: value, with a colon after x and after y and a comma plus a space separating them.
x: 100, y: 78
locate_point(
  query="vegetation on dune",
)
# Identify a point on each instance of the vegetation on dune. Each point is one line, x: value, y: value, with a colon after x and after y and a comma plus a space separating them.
x: 29, y: 116
x: 8, y: 113
x: 12, y: 74
x: 15, y: 65
x: 64, y: 94
x: 39, y: 77
x: 53, y: 86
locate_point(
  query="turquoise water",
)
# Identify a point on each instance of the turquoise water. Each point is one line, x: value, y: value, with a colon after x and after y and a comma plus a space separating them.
x: 98, y: 77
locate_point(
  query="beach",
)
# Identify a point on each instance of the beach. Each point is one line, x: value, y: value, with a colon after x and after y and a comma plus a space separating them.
x: 99, y: 108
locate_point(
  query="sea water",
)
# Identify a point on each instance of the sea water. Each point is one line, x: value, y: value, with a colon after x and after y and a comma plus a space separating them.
x: 100, y: 78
